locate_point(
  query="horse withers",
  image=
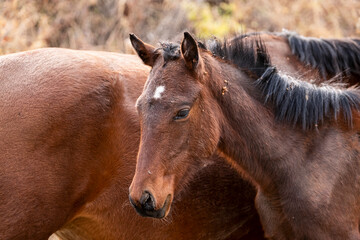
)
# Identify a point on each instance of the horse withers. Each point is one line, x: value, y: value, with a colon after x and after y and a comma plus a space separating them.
x: 296, y: 141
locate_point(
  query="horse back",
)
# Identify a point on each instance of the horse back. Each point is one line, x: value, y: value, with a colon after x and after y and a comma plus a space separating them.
x: 282, y: 57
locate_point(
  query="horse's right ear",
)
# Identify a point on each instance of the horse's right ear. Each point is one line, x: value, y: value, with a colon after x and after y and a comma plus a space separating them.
x: 144, y: 50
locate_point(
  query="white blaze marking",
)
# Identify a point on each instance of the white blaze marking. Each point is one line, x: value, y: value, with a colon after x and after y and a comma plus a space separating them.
x: 159, y: 90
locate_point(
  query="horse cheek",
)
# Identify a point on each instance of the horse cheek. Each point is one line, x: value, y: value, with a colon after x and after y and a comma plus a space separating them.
x: 214, y: 137
x: 208, y: 140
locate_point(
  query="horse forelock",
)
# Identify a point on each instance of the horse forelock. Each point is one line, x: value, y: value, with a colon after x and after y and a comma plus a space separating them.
x: 170, y: 51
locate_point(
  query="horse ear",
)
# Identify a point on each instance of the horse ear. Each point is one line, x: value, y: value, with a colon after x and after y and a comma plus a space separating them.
x: 190, y: 51
x: 144, y: 50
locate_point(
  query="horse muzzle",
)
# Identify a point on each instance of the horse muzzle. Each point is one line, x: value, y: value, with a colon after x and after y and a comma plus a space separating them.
x: 146, y: 206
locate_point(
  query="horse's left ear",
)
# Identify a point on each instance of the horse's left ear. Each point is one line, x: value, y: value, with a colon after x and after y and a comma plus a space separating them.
x: 190, y: 51
x: 144, y: 50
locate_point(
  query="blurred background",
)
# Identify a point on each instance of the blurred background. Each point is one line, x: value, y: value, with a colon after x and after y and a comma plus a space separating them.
x: 105, y: 24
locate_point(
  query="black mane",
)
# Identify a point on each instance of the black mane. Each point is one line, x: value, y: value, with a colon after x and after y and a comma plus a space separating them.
x: 301, y: 102
x: 333, y: 57
x: 294, y: 101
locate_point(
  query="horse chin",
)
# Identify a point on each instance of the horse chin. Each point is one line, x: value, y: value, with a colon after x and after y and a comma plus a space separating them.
x: 160, y: 213
x: 164, y: 211
x: 167, y: 205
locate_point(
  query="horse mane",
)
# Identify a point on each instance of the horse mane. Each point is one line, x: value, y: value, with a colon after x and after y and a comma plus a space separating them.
x: 331, y: 56
x: 295, y: 101
x: 304, y: 103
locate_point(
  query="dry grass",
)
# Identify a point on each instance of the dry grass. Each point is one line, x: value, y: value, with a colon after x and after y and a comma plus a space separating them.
x: 320, y: 18
x: 105, y: 24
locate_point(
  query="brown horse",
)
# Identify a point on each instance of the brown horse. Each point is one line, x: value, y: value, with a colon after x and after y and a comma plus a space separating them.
x: 69, y: 141
x: 297, y: 142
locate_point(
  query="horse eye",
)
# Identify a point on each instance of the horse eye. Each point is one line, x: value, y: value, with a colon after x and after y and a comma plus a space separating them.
x: 182, y: 114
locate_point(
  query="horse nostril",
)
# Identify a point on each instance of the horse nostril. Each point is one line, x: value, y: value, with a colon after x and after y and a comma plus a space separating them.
x: 147, y: 201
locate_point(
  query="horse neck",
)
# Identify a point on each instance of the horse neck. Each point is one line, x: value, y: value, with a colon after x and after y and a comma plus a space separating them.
x: 250, y: 139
